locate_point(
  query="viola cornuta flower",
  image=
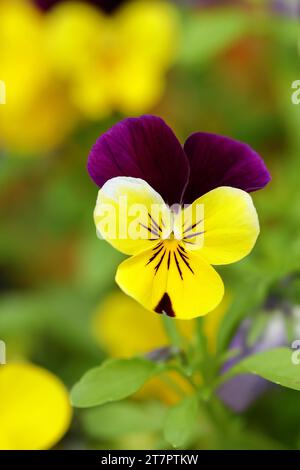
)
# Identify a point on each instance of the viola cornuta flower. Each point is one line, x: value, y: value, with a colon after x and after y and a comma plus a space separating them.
x: 176, y: 210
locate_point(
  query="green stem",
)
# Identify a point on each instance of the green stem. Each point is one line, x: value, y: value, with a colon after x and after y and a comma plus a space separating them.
x: 201, y: 338
x: 229, y: 374
x: 217, y: 416
x: 180, y: 371
x: 175, y: 387
x: 172, y: 331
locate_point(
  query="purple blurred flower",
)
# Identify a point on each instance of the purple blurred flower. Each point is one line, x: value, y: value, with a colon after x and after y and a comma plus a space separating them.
x: 211, y: 3
x: 241, y: 391
x: 147, y: 148
x: 289, y: 8
x: 105, y: 5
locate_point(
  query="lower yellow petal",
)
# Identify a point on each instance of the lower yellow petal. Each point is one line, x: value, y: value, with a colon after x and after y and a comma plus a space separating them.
x: 168, y: 279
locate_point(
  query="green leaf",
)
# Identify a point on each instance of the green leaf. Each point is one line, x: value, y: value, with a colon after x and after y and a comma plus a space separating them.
x: 113, y: 380
x: 114, y: 420
x: 275, y: 365
x: 284, y: 30
x: 180, y: 421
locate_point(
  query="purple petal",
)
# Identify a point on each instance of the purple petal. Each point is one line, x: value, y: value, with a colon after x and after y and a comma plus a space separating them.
x: 220, y: 161
x: 241, y: 391
x: 106, y: 5
x: 144, y: 148
x: 285, y: 8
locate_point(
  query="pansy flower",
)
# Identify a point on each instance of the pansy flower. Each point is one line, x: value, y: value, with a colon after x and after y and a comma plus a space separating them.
x: 170, y: 269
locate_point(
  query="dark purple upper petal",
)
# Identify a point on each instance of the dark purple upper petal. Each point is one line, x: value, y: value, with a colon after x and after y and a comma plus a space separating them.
x: 144, y: 148
x: 220, y: 161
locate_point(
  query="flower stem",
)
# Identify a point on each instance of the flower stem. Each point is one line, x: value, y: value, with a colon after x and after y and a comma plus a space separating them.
x: 172, y: 331
x: 201, y: 338
x: 182, y: 372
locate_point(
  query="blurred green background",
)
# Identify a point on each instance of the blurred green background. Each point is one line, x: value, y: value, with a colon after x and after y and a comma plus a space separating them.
x: 219, y: 68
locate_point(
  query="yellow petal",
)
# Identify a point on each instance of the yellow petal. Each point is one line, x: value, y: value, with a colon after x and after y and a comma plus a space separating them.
x: 37, y: 115
x: 149, y: 29
x: 23, y: 65
x: 139, y: 86
x: 91, y: 97
x: 34, y: 408
x: 149, y: 34
x: 113, y: 61
x: 230, y: 226
x: 130, y: 215
x: 80, y: 51
x: 119, y: 313
x: 167, y: 278
x: 144, y: 331
x: 75, y: 37
x: 168, y: 387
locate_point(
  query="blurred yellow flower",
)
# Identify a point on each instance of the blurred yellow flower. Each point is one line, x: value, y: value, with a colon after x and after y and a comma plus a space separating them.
x: 34, y: 408
x: 114, y: 62
x: 125, y: 329
x: 75, y: 61
x: 36, y: 115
